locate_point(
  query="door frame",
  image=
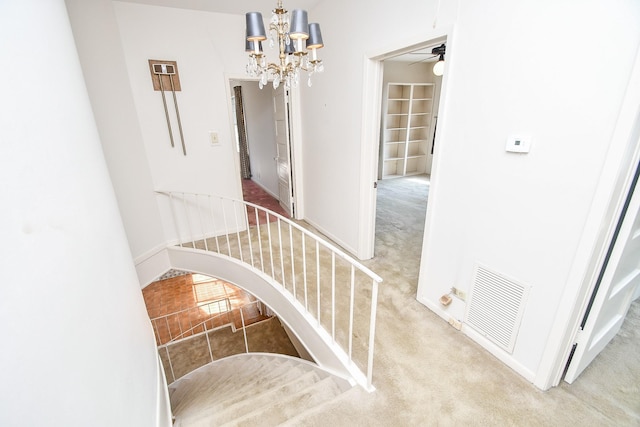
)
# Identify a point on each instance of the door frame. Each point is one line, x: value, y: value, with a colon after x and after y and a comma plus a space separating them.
x: 371, y: 108
x: 609, y: 197
x: 295, y: 123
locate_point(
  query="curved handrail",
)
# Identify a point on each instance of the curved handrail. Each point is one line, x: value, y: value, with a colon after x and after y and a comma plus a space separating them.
x: 215, y: 223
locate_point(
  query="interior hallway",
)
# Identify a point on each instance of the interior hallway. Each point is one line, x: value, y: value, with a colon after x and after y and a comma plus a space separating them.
x: 428, y: 373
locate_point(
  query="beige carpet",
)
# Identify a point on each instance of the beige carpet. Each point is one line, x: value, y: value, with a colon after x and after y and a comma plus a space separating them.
x: 427, y: 373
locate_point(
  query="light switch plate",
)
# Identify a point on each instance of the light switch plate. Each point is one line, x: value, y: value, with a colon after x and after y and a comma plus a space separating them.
x: 213, y: 138
x: 518, y: 143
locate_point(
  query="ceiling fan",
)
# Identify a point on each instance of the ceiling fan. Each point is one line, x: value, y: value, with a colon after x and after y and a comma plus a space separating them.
x: 437, y: 51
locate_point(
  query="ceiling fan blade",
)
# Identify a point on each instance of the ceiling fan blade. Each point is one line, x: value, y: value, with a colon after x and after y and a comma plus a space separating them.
x: 423, y: 60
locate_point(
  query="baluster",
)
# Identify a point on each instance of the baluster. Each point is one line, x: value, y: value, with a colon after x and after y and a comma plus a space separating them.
x: 186, y: 215
x: 268, y: 225
x: 293, y: 261
x: 213, y: 222
x: 304, y: 271
x: 351, y: 302
x: 226, y: 227
x: 202, y: 227
x: 372, y: 330
x: 333, y: 296
x: 175, y: 219
x: 235, y: 215
x: 255, y: 209
x: 318, y: 280
x: 281, y: 255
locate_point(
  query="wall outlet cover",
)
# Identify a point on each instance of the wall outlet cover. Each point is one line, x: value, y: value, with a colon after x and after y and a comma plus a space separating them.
x: 455, y: 323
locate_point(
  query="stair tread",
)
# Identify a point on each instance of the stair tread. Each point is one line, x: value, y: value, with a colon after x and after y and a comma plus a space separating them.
x: 251, y: 390
x: 289, y: 406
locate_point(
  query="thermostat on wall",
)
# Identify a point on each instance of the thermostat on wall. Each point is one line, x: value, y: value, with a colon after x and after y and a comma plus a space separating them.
x: 519, y: 143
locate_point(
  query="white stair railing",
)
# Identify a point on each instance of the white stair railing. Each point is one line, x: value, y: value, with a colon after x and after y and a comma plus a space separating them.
x: 331, y: 286
x: 178, y: 325
x: 202, y: 327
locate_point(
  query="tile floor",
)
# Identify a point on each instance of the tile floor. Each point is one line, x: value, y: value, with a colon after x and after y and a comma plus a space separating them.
x: 184, y: 305
x: 253, y: 193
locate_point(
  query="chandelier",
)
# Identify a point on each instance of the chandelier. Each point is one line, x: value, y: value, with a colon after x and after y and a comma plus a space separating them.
x: 297, y: 42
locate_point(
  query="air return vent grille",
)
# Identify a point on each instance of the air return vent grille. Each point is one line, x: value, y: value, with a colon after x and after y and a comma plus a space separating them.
x: 496, y: 307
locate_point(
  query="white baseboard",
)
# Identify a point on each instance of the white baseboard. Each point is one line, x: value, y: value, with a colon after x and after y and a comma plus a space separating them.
x: 275, y: 196
x: 497, y: 352
x: 347, y: 248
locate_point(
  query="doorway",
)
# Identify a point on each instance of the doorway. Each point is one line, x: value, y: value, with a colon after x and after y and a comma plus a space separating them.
x: 261, y: 127
x: 407, y: 97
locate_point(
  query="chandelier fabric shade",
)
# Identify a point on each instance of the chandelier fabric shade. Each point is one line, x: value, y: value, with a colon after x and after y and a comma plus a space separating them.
x: 315, y: 37
x: 255, y: 27
x: 299, y: 25
x: 296, y: 42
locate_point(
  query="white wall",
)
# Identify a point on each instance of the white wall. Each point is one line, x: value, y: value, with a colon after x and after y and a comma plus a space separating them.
x: 261, y: 135
x: 521, y: 215
x: 332, y: 107
x: 78, y: 348
x: 200, y: 43
x: 102, y: 59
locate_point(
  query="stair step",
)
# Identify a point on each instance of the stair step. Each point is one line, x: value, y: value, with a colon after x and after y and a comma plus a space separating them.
x: 221, y: 381
x: 251, y: 390
x: 290, y: 405
x: 255, y: 402
x: 259, y: 385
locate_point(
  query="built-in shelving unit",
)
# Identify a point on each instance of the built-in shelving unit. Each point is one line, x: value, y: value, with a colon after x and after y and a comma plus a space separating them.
x: 407, y: 126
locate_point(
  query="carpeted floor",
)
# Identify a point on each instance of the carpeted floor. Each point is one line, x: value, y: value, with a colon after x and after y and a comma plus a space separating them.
x: 427, y: 373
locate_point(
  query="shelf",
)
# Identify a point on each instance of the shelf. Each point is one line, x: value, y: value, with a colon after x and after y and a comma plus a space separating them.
x: 406, y: 128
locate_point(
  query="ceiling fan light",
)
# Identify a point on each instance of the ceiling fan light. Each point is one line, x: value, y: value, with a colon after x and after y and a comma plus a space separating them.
x: 438, y: 68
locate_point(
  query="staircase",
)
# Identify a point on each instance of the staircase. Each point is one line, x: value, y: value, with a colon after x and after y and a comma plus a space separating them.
x: 252, y: 389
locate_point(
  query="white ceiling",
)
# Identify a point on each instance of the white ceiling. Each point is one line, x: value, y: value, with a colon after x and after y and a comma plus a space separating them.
x: 239, y: 7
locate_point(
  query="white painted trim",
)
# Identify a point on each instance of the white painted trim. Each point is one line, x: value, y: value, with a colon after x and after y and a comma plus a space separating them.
x: 164, y: 417
x: 290, y: 311
x: 492, y: 348
x: 295, y: 142
x: 153, y: 265
x: 236, y: 158
x: 607, y: 202
x: 296, y: 147
x: 371, y: 105
x: 331, y: 237
x: 266, y: 190
x: 370, y: 135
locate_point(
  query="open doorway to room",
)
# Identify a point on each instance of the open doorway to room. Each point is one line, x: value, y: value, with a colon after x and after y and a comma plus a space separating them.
x: 262, y: 142
x: 410, y: 95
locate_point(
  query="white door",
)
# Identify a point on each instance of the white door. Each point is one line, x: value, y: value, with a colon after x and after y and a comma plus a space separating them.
x: 283, y: 152
x: 618, y: 281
